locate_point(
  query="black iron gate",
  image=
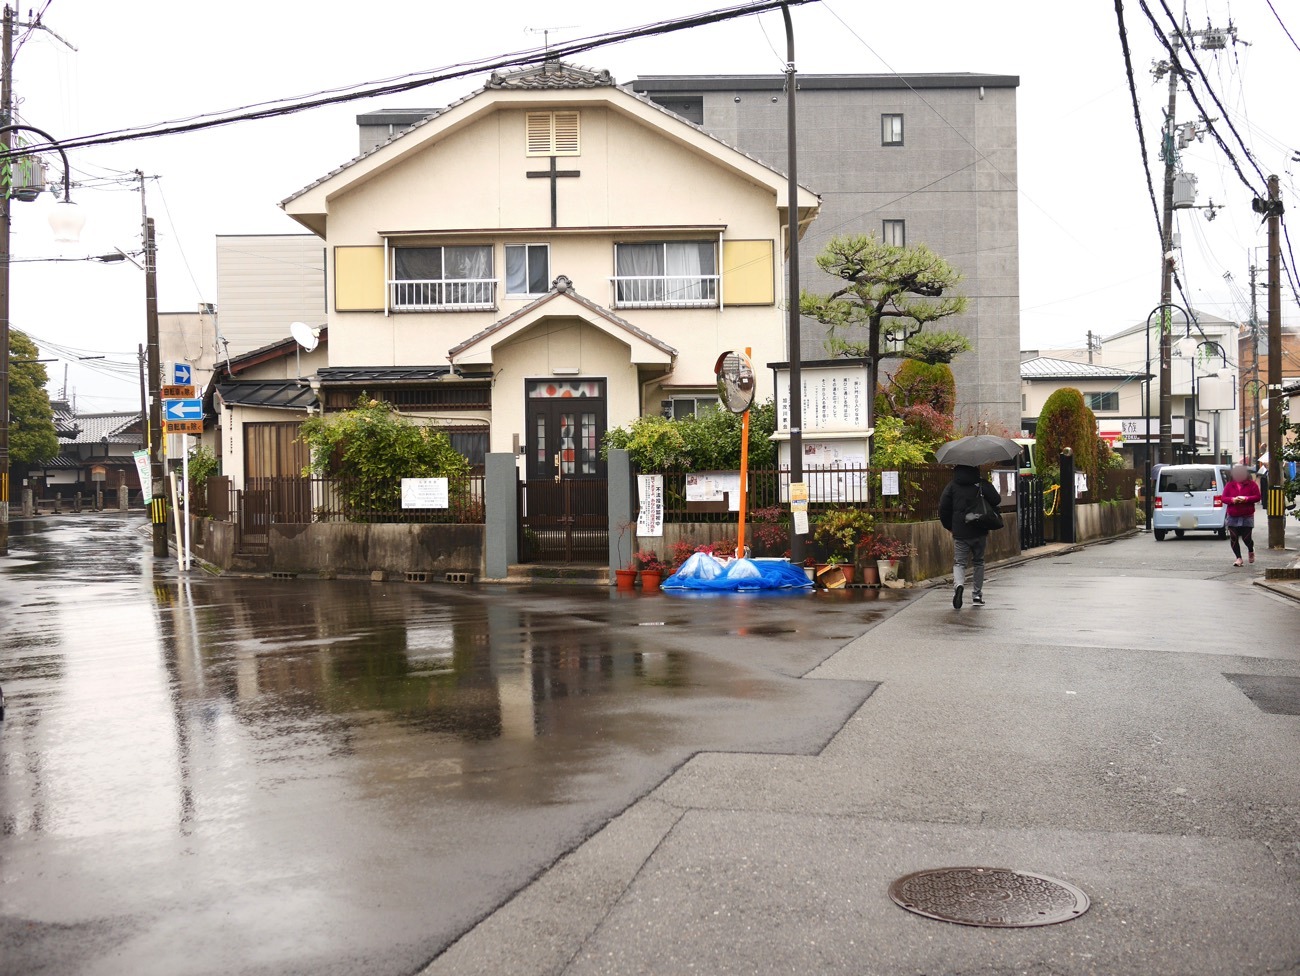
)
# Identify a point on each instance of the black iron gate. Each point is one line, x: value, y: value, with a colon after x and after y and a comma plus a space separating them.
x: 1029, y: 505
x: 564, y: 521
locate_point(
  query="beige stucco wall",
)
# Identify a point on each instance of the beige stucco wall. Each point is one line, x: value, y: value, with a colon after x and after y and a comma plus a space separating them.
x: 565, y: 343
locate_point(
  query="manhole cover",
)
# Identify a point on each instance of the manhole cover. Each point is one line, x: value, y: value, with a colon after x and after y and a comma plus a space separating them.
x: 991, y: 897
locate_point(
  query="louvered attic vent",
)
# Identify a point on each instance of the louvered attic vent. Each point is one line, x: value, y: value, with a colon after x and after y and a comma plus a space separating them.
x: 553, y: 134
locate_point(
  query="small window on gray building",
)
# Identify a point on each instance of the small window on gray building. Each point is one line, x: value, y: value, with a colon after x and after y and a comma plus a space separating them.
x: 891, y: 130
x: 1101, y: 401
x: 894, y: 232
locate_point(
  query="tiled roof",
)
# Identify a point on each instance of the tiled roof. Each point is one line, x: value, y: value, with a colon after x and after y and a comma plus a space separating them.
x: 285, y: 394
x: 1046, y: 368
x: 386, y: 375
x: 95, y: 427
x: 551, y: 74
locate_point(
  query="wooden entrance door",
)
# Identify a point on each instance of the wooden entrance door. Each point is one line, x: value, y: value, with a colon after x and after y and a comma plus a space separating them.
x: 565, y: 504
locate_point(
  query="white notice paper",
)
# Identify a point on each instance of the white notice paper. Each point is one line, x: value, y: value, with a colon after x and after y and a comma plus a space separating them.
x: 424, y: 493
x: 889, y: 483
x: 650, y: 493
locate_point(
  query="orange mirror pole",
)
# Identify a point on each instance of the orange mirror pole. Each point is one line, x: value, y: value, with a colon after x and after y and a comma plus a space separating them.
x: 744, y: 477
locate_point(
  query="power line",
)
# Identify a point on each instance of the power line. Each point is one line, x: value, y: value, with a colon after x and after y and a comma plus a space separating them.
x: 1137, y: 118
x: 532, y: 56
x: 1282, y: 25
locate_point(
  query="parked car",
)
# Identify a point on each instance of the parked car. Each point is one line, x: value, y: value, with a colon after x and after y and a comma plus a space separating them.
x: 1189, y: 498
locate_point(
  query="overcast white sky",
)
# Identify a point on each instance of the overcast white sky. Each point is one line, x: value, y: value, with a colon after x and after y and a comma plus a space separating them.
x: 1090, y: 257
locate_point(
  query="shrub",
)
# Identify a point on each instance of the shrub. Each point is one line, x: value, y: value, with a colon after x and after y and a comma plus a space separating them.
x: 916, y: 382
x: 708, y: 441
x: 1065, y: 422
x: 839, y: 529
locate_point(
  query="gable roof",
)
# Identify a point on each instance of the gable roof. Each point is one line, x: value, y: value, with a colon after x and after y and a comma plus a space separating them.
x: 279, y: 349
x: 555, y: 76
x: 646, y: 348
x: 1047, y: 368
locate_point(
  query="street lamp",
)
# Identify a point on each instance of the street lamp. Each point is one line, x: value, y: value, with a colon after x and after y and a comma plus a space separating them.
x: 1191, y: 348
x: 66, y: 220
x: 1162, y: 310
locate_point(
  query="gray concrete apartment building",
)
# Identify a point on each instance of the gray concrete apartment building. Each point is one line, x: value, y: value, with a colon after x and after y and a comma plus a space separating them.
x: 912, y: 158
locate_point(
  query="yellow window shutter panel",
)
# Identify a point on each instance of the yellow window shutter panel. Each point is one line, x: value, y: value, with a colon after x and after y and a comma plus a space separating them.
x: 748, y: 273
x: 538, y: 125
x: 567, y: 142
x: 359, y: 279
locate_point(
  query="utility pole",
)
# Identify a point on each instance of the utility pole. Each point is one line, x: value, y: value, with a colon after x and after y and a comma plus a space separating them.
x: 1276, y: 495
x: 6, y: 117
x: 1170, y: 157
x: 158, y: 507
x: 1254, y: 363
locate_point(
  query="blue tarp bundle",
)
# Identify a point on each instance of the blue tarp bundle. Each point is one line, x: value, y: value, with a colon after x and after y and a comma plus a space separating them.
x: 705, y: 572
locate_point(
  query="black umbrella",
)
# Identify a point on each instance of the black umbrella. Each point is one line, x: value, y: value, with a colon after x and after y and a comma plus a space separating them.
x: 978, y: 449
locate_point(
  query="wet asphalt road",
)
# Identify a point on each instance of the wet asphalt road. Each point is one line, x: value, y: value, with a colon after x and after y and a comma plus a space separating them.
x: 272, y: 777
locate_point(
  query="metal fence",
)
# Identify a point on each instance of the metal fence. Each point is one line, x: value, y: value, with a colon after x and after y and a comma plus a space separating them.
x: 893, y: 495
x: 301, y: 501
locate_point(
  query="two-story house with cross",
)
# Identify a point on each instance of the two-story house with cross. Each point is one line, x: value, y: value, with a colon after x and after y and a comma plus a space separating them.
x: 548, y: 257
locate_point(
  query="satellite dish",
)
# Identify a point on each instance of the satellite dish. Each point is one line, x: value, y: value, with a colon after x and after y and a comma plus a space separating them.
x: 304, y: 335
x: 736, y: 378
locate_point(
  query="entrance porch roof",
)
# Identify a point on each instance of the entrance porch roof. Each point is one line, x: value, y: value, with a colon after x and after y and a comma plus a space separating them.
x: 563, y: 302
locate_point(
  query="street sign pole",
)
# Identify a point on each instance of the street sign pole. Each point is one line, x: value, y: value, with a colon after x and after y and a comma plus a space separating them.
x: 185, y: 478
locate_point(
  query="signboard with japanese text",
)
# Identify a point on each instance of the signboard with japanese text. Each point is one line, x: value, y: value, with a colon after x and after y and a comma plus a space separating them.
x: 834, y: 398
x: 424, y: 493
x: 650, y: 494
x: 177, y: 392
x: 182, y: 426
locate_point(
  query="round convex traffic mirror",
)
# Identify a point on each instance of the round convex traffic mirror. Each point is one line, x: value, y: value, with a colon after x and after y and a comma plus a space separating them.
x: 735, y: 381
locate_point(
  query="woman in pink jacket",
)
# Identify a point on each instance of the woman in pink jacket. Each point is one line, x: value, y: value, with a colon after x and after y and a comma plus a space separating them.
x: 1241, y: 495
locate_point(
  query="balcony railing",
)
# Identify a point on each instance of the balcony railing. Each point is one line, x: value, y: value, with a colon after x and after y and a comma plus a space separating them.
x: 665, y: 291
x: 443, y: 295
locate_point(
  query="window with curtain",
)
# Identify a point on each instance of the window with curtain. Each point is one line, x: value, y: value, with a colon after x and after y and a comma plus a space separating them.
x: 891, y: 129
x: 894, y: 232
x: 1101, y: 401
x: 528, y: 269
x: 443, y: 278
x: 666, y: 273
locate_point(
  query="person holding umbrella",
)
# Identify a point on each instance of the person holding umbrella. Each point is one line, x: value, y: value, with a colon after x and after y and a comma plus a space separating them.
x: 968, y: 507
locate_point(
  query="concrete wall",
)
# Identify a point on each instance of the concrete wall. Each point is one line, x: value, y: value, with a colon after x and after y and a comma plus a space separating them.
x: 934, y: 546
x: 346, y: 548
x: 1104, y: 520
x: 953, y: 181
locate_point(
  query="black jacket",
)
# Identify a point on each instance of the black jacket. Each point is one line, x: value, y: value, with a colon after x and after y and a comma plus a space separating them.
x: 958, y: 498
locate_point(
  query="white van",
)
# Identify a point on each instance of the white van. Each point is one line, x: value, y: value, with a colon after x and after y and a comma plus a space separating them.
x: 1189, y: 498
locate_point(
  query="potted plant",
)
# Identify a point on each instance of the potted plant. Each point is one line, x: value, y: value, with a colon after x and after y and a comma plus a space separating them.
x: 886, y: 551
x: 838, y: 529
x: 625, y: 578
x: 652, y: 570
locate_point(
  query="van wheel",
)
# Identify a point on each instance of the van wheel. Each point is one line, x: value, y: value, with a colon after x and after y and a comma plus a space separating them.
x: 1179, y: 533
x: 1160, y: 535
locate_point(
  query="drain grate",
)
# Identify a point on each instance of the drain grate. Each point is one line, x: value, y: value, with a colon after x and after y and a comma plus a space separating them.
x: 988, y: 897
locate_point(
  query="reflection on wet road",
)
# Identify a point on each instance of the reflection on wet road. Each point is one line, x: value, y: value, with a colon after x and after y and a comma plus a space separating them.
x: 261, y: 776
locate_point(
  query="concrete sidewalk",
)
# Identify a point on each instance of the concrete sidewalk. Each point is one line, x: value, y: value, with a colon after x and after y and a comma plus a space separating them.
x: 1082, y: 725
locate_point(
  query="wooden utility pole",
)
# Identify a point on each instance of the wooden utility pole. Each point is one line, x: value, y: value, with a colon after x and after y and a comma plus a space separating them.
x: 1276, y: 496
x: 792, y: 234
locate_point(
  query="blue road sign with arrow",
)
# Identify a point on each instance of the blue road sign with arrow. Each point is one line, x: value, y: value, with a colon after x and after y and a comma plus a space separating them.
x: 182, y: 374
x: 182, y: 409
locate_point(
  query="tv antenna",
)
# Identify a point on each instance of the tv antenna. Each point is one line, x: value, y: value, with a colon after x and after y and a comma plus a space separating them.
x: 546, y: 34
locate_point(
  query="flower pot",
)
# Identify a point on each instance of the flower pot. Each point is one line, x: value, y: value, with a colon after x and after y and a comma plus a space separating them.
x: 650, y: 581
x: 870, y: 576
x: 625, y: 579
x: 811, y: 571
x: 848, y: 570
x: 888, y: 569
